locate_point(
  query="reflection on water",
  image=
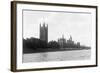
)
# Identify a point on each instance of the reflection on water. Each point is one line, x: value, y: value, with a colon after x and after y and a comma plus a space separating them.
x: 57, y: 56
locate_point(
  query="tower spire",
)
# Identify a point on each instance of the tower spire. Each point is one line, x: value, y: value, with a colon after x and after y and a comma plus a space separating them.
x: 44, y: 32
x: 70, y: 37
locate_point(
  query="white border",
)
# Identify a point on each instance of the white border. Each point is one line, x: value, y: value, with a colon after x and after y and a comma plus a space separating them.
x: 21, y: 65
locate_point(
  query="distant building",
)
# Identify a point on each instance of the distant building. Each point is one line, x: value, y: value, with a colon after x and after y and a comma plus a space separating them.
x: 44, y: 32
x: 62, y: 41
x: 70, y: 41
x: 67, y: 43
x: 78, y: 44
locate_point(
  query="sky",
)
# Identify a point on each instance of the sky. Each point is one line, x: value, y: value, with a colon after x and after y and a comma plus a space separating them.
x: 78, y: 25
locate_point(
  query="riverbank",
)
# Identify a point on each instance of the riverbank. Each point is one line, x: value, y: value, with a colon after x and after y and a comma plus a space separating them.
x: 30, y: 50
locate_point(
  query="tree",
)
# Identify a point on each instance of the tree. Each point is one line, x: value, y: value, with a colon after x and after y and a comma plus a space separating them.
x: 53, y: 44
x: 34, y: 43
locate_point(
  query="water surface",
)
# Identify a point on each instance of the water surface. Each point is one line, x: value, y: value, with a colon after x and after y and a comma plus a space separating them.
x: 57, y: 56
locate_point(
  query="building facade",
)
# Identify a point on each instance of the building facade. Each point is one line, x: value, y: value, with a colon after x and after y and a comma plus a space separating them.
x: 62, y: 42
x: 70, y: 41
x: 44, y: 32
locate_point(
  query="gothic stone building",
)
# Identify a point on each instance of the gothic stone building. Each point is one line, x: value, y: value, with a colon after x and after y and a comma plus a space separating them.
x: 44, y: 32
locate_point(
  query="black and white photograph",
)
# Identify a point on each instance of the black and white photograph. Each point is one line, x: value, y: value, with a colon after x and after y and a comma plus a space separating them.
x: 56, y: 35
x: 50, y: 35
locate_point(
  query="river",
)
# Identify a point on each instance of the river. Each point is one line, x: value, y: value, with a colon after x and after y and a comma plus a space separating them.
x: 57, y: 56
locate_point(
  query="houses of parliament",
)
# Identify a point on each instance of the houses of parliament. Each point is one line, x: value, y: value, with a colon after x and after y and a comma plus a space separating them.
x: 61, y: 41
